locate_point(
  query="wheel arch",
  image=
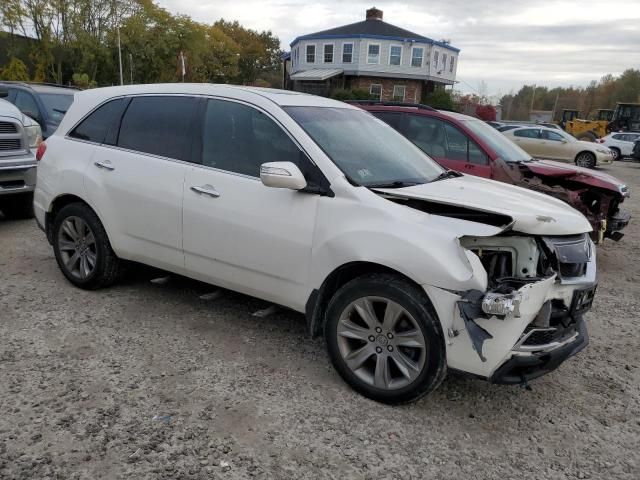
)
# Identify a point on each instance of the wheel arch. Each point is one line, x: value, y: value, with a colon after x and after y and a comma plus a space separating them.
x: 58, y: 204
x: 575, y: 159
x: 316, y: 305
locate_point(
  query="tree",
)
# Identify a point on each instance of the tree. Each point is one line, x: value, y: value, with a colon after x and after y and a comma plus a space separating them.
x: 486, y: 113
x: 15, y: 70
x: 439, y: 98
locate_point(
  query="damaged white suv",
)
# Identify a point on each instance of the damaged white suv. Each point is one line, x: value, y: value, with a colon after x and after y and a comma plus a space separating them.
x: 407, y: 269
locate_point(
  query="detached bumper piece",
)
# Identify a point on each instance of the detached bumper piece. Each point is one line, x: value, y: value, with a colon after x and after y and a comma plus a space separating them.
x: 615, y: 223
x: 523, y: 367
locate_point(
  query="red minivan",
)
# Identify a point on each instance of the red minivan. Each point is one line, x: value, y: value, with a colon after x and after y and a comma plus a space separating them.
x: 469, y: 145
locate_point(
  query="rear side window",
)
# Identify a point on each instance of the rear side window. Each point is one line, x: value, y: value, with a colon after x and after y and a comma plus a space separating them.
x: 391, y: 118
x: 238, y: 138
x: 159, y: 126
x: 101, y: 123
x: 527, y: 133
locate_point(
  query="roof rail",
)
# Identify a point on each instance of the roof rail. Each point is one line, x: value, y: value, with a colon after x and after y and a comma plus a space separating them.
x: 383, y: 103
x: 27, y: 84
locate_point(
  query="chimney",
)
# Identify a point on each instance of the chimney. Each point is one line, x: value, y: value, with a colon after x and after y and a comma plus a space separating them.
x: 374, y: 14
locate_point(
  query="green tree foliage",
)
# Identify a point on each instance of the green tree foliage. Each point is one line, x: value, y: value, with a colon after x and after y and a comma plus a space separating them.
x: 439, y: 98
x: 82, y: 36
x: 602, y: 94
x: 15, y: 70
x: 354, y: 94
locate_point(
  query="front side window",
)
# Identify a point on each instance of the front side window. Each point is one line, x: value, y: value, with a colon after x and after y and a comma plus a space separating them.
x: 375, y: 91
x: 158, y: 125
x: 526, y: 133
x: 347, y: 52
x: 442, y: 140
x: 100, y: 122
x: 27, y: 104
x: 238, y: 138
x: 328, y: 53
x: 311, y: 53
x: 369, y: 152
x: 417, y: 54
x: 373, y: 53
x: 398, y: 93
x: 56, y: 104
x: 391, y: 118
x: 395, y: 55
x: 549, y: 135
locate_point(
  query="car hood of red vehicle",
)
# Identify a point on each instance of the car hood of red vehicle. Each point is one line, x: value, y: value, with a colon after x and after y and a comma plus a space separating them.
x: 591, y: 177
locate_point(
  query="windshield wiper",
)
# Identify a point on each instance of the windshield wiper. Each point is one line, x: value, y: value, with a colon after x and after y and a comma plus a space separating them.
x: 447, y: 174
x: 394, y: 184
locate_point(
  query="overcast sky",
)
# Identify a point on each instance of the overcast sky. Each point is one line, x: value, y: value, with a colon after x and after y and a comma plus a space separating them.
x: 505, y: 43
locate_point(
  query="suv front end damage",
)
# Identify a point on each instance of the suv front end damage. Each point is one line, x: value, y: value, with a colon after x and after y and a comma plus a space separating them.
x: 529, y: 319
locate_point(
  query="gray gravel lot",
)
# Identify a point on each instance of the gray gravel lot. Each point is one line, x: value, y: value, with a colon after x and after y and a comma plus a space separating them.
x: 83, y: 374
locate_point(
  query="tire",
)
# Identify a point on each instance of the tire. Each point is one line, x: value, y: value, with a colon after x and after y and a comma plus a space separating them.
x: 617, y: 154
x: 18, y: 207
x: 91, y: 242
x: 395, y: 366
x: 586, y: 159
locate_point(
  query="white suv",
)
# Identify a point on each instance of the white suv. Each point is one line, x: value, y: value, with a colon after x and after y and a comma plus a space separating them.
x: 407, y: 269
x: 620, y: 143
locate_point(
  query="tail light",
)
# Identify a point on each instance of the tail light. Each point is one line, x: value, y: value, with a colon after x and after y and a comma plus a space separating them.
x: 40, y: 152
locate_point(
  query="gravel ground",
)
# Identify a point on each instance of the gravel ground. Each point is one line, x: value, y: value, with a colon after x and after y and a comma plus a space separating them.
x: 149, y: 381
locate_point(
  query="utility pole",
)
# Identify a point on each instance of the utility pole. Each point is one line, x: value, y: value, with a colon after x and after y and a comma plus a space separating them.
x: 182, y: 65
x: 120, y: 57
x: 533, y: 96
x: 130, y: 68
x: 555, y: 105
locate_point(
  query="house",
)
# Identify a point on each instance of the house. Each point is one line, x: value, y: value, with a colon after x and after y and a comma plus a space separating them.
x: 389, y: 62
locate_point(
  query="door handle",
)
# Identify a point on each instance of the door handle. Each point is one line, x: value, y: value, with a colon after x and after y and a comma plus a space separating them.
x: 106, y: 165
x: 206, y: 190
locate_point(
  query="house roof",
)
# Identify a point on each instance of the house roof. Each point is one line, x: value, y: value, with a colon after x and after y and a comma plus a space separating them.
x: 317, y: 74
x: 372, y: 28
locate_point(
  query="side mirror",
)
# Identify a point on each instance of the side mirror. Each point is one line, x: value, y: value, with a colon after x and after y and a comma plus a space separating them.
x: 282, y: 175
x: 4, y: 93
x: 563, y: 141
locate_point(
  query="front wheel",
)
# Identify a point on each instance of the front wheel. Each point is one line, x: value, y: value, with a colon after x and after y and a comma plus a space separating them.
x: 586, y: 159
x: 384, y: 339
x: 82, y: 248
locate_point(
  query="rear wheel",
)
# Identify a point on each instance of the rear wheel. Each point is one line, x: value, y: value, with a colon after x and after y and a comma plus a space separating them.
x: 82, y: 248
x: 17, y: 207
x: 617, y: 154
x: 586, y: 159
x: 384, y: 339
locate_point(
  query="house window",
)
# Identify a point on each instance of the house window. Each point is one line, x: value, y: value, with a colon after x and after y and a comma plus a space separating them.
x: 328, y: 53
x: 398, y: 93
x: 435, y: 59
x: 311, y: 53
x: 417, y: 54
x: 451, y: 60
x: 444, y: 62
x: 373, y: 53
x: 347, y: 52
x: 375, y: 90
x: 395, y: 55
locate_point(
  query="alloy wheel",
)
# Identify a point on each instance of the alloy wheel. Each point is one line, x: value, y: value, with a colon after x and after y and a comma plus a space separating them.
x: 77, y: 246
x: 381, y: 343
x: 585, y: 160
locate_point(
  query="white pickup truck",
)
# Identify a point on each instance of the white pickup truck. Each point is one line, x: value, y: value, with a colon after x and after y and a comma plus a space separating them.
x: 19, y: 137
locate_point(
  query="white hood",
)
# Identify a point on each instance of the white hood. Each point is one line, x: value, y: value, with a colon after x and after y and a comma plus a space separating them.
x: 533, y: 213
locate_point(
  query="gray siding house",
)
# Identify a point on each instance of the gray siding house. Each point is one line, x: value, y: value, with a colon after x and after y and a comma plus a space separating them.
x: 389, y: 62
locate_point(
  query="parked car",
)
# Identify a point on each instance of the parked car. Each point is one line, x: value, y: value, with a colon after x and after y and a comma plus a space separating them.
x: 620, y: 143
x: 464, y: 144
x: 408, y: 269
x: 543, y: 142
x: 45, y: 103
x: 19, y: 135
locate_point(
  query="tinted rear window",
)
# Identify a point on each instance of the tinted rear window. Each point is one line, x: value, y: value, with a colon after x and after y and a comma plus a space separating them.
x: 98, y: 124
x: 158, y: 125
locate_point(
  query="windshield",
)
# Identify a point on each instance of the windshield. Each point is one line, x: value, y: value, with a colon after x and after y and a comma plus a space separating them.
x: 367, y: 150
x: 56, y: 104
x: 501, y: 145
